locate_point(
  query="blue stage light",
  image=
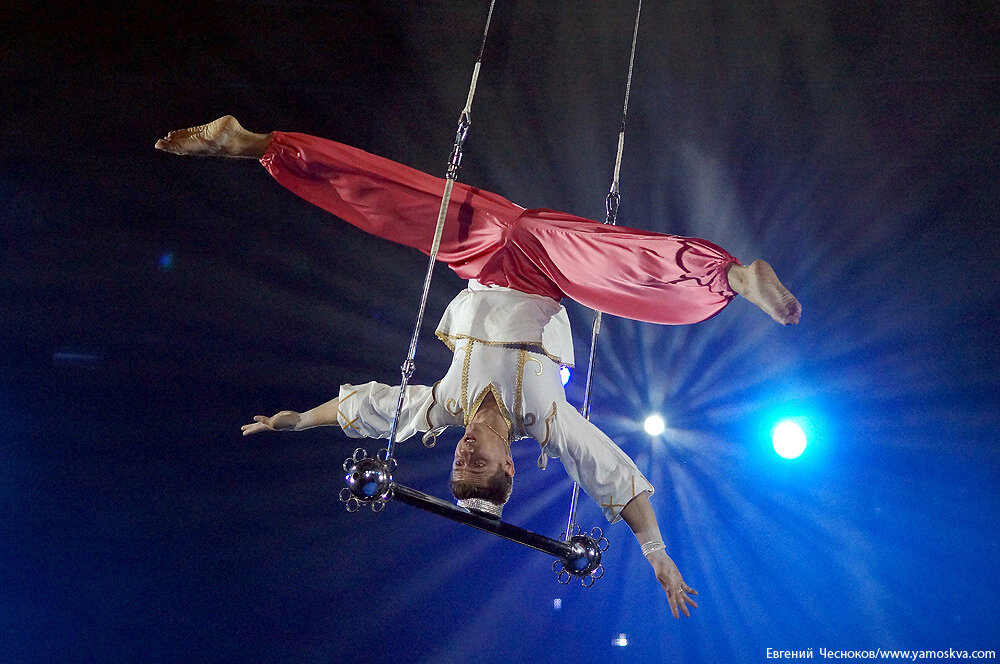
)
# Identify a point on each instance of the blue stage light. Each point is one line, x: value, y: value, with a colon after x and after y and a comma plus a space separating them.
x: 788, y: 439
x: 654, y: 425
x: 565, y: 373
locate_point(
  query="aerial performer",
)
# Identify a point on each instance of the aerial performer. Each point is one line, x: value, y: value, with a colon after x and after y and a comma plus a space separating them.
x: 508, y: 331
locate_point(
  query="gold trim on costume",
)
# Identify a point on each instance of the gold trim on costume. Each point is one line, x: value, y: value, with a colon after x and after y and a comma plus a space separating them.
x: 535, y: 346
x: 427, y: 413
x: 491, y: 388
x: 611, y: 504
x: 543, y: 460
x: 350, y: 423
x: 548, y: 422
x: 465, y: 379
x: 522, y: 359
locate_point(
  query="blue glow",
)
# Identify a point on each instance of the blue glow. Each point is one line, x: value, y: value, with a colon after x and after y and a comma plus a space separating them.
x: 788, y: 439
x: 557, y: 604
x: 565, y: 373
x: 167, y: 260
x: 654, y: 425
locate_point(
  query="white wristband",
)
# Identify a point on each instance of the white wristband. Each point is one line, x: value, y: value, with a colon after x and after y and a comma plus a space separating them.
x: 653, y: 547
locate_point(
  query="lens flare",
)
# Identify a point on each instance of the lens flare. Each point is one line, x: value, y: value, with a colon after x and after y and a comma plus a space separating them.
x: 788, y: 439
x: 654, y: 425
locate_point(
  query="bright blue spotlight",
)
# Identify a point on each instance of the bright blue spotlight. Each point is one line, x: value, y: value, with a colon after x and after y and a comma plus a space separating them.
x: 565, y: 373
x: 789, y: 439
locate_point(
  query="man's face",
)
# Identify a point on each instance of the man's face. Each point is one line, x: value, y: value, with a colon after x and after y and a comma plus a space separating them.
x: 482, y: 452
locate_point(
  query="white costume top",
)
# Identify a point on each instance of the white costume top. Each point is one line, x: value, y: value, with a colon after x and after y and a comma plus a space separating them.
x: 511, y: 344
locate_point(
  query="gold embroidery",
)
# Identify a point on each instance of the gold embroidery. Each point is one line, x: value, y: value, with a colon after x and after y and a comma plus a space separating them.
x: 529, y: 419
x: 611, y: 504
x: 548, y: 422
x: 522, y: 359
x: 534, y: 346
x: 341, y: 414
x: 542, y: 457
x: 446, y: 340
x: 489, y: 389
x: 451, y: 405
x: 465, y: 379
x: 427, y: 413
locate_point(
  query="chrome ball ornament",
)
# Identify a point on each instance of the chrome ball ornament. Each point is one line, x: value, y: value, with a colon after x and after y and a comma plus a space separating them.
x: 584, y: 561
x: 586, y: 556
x: 369, y: 481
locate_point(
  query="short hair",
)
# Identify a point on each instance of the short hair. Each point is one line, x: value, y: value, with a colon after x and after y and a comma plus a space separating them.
x: 496, y: 489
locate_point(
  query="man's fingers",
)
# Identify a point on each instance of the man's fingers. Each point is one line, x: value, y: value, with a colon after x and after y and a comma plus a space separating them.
x: 672, y: 598
x: 256, y: 427
x: 691, y: 601
x: 689, y: 589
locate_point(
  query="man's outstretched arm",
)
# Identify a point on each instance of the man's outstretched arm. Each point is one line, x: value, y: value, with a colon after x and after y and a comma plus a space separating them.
x: 639, y: 516
x: 364, y: 411
x: 289, y: 420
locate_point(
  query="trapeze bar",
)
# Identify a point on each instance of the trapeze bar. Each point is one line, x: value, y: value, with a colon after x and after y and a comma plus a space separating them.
x: 369, y: 481
x: 489, y: 524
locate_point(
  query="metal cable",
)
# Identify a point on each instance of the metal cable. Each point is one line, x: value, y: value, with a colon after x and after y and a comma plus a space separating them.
x: 611, y: 206
x: 454, y: 161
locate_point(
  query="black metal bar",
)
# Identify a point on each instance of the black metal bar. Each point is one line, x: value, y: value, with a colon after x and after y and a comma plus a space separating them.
x: 553, y: 547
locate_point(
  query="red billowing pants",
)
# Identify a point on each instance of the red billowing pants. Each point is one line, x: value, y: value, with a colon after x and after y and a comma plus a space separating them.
x: 622, y: 271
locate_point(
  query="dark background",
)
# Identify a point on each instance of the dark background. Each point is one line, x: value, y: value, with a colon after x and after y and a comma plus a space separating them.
x: 151, y: 304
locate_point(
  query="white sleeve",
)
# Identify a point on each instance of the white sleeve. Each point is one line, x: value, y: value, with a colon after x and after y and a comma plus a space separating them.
x: 591, y: 459
x: 366, y: 411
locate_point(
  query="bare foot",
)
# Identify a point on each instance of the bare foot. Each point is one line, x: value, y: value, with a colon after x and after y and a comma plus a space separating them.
x: 758, y: 283
x: 220, y: 138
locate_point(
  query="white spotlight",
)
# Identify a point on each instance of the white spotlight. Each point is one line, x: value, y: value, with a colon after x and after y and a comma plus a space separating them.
x: 788, y: 439
x: 654, y: 425
x: 621, y: 640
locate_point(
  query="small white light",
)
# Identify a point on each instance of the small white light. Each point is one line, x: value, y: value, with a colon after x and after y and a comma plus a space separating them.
x: 564, y: 374
x: 654, y: 425
x: 621, y: 640
x: 557, y: 604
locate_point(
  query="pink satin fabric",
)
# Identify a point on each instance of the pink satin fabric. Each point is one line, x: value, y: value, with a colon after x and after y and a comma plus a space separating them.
x: 622, y: 271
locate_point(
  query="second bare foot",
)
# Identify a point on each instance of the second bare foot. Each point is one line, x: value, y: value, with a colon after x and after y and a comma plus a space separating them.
x: 220, y: 138
x: 758, y: 283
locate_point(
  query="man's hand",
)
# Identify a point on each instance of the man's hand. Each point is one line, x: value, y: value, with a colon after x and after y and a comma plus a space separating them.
x: 670, y: 578
x: 286, y: 420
